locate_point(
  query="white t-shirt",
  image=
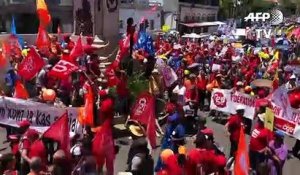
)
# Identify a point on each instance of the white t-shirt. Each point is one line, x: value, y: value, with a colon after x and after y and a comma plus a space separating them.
x: 181, y: 94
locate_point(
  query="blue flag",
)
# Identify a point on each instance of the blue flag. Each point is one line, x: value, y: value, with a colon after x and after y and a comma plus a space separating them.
x: 13, y: 31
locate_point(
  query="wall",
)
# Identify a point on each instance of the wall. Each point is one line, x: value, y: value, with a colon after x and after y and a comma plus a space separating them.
x: 137, y: 14
x: 198, y: 11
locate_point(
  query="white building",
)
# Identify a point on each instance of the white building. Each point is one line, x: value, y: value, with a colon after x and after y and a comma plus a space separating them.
x: 197, y: 12
x: 138, y: 9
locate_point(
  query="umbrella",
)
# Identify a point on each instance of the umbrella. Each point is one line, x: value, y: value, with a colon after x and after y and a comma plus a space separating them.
x: 191, y: 35
x: 262, y: 83
x: 193, y: 65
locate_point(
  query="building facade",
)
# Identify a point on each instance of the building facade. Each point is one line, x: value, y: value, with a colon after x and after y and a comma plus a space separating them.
x: 24, y: 12
x: 138, y: 9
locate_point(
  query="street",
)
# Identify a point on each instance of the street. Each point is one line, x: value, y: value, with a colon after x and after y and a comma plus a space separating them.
x: 291, y: 167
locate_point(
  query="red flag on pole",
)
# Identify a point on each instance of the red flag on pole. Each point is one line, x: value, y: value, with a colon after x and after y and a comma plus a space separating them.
x: 86, y: 114
x: 241, y: 164
x: 20, y: 91
x: 143, y: 111
x: 103, y: 147
x: 31, y: 65
x: 43, y: 13
x: 63, y: 69
x: 77, y: 50
x: 59, y: 131
x: 42, y: 40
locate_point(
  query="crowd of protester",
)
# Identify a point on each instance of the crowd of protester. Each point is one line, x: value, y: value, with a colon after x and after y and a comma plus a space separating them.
x: 192, y: 61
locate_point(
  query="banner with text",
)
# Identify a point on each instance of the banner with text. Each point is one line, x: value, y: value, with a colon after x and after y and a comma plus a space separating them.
x: 226, y: 101
x: 40, y: 115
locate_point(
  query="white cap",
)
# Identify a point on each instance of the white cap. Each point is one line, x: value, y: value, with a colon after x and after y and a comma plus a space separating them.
x: 75, y: 150
x: 261, y: 117
x: 239, y: 83
x: 240, y: 107
x: 293, y: 76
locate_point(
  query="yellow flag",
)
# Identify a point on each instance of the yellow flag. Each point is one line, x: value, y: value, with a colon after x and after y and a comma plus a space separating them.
x: 269, y: 119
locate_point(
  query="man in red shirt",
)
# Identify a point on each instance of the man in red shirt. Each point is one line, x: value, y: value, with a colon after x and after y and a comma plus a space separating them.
x: 259, y: 140
x: 233, y: 127
x: 27, y: 139
x: 201, y: 85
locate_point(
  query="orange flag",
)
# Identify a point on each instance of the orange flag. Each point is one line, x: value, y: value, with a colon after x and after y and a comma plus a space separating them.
x: 43, y: 13
x: 59, y: 131
x: 20, y: 91
x: 241, y: 164
x: 86, y: 114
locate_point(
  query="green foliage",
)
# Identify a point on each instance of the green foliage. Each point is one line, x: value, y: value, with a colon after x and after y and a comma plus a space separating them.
x: 137, y: 84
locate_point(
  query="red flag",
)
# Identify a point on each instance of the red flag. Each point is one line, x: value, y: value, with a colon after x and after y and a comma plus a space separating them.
x: 143, y: 111
x: 59, y: 131
x: 86, y: 116
x: 42, y: 40
x: 31, y: 65
x: 241, y: 164
x: 63, y: 69
x: 103, y: 147
x: 20, y: 91
x: 2, y: 60
x: 43, y: 13
x: 77, y: 50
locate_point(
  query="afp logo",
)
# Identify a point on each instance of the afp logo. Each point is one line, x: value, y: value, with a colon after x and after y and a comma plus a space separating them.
x: 219, y: 100
x: 275, y: 17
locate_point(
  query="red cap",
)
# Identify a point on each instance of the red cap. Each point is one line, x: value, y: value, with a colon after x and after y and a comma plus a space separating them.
x: 208, y: 131
x: 24, y: 123
x: 32, y: 133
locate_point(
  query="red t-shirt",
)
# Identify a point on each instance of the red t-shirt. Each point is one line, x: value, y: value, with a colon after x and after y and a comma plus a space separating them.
x: 209, y: 161
x: 234, y: 126
x: 202, y: 82
x: 38, y: 149
x: 260, y: 138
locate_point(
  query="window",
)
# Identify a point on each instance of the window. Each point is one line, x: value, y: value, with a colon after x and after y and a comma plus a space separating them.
x: 121, y: 24
x: 151, y: 24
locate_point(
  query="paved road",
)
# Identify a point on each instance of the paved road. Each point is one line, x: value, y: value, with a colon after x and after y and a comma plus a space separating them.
x: 292, y: 166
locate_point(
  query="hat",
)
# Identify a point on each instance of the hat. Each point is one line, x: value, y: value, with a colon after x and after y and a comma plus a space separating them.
x: 32, y: 134
x: 24, y: 124
x: 193, y: 76
x: 155, y: 71
x: 219, y: 75
x: 75, y: 150
x: 279, y: 133
x: 261, y: 117
x: 135, y: 128
x: 182, y: 150
x: 293, y: 77
x: 240, y: 107
x: 165, y: 154
x: 239, y: 83
x: 208, y: 132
